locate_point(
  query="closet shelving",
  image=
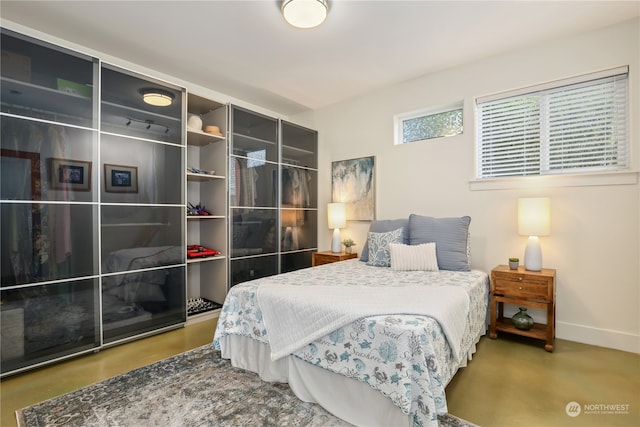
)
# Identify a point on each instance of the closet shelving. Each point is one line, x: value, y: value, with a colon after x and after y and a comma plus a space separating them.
x: 207, y: 155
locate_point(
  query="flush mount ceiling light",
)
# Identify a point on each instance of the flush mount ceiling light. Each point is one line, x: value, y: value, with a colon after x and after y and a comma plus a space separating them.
x: 157, y: 97
x: 305, y: 13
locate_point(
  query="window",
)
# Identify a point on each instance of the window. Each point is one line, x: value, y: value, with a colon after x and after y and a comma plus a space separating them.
x: 571, y: 126
x: 411, y: 127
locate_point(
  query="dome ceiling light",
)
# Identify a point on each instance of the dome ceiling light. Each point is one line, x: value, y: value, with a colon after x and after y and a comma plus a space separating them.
x: 157, y: 97
x: 305, y: 13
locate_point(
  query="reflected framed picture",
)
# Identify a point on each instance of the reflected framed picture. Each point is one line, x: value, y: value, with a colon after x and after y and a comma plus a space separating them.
x: 353, y: 183
x: 121, y: 179
x: 67, y: 174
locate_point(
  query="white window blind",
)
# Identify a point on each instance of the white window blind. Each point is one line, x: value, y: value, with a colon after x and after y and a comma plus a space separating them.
x: 575, y: 126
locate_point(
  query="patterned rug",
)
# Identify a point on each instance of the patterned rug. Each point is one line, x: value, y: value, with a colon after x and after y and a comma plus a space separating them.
x: 196, y: 388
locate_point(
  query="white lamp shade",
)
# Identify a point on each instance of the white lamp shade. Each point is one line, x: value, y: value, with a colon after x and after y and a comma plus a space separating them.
x: 533, y: 221
x: 534, y: 216
x: 305, y: 13
x: 336, y: 215
x: 337, y: 218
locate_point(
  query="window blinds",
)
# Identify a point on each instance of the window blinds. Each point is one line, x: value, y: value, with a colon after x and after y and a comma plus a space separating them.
x: 569, y: 127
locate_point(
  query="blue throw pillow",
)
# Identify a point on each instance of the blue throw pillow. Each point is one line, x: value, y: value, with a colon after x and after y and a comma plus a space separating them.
x: 450, y: 235
x: 383, y: 226
x: 379, y: 251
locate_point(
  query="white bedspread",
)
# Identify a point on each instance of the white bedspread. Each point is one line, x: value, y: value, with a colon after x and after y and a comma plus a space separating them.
x: 295, y: 315
x: 405, y: 357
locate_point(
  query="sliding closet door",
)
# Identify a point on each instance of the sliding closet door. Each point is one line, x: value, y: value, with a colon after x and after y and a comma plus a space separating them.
x: 142, y: 205
x: 273, y: 196
x: 298, y: 196
x: 49, y: 203
x: 253, y: 195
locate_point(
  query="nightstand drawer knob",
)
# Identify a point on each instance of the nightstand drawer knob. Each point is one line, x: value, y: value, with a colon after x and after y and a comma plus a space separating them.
x: 520, y: 288
x: 520, y: 279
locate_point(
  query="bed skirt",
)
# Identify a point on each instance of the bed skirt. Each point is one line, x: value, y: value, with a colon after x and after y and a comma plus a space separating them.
x: 356, y: 402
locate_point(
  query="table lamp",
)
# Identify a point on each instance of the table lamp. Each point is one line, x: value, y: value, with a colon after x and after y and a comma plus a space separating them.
x: 290, y: 219
x: 533, y: 221
x: 337, y: 219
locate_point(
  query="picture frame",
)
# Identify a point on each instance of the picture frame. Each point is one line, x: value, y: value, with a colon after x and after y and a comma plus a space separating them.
x: 22, y: 162
x: 353, y: 183
x: 68, y: 174
x: 120, y: 178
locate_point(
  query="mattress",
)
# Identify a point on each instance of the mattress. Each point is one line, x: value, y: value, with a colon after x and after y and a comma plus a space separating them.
x: 406, y: 358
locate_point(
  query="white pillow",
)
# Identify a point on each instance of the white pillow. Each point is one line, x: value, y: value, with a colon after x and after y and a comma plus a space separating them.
x: 413, y: 257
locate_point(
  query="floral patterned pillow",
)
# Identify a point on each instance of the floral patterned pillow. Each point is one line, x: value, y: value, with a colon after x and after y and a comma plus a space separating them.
x: 379, y: 252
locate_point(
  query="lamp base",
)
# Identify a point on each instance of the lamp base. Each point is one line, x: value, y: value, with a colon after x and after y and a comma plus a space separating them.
x: 533, y: 255
x: 336, y: 245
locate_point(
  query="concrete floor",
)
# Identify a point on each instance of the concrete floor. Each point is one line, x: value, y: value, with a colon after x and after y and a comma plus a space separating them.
x: 510, y: 382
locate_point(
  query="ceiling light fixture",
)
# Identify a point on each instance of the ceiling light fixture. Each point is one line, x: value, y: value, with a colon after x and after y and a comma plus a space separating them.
x: 157, y: 97
x: 305, y: 13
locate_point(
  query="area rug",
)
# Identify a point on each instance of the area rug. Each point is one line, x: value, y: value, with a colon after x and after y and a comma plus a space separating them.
x: 196, y: 388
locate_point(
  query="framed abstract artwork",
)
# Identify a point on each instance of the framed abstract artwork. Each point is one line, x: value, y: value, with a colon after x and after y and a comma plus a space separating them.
x: 353, y: 183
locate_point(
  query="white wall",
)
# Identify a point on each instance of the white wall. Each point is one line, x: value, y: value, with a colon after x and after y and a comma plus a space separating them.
x: 594, y: 241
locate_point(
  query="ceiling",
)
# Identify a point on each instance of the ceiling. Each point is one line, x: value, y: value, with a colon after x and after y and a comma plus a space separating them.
x: 246, y: 50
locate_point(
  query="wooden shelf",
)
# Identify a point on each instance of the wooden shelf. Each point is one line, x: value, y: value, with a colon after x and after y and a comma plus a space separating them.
x: 205, y: 259
x: 537, y: 331
x: 201, y: 177
x: 29, y: 96
x: 206, y: 217
x: 199, y: 105
x: 252, y: 141
x: 200, y: 139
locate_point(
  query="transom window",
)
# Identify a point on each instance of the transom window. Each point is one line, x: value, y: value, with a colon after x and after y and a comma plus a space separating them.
x: 571, y: 126
x: 421, y: 125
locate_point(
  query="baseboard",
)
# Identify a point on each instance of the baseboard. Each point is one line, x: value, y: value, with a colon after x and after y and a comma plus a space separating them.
x: 599, y: 337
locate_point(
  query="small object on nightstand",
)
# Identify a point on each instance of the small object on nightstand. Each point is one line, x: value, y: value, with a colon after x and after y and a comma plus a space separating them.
x: 348, y: 244
x: 327, y: 257
x: 521, y: 320
x: 514, y: 263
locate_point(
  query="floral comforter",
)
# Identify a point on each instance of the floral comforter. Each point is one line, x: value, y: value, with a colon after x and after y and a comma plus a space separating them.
x: 405, y: 357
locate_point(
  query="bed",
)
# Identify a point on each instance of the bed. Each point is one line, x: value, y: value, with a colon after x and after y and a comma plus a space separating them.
x: 141, y: 288
x: 326, y: 332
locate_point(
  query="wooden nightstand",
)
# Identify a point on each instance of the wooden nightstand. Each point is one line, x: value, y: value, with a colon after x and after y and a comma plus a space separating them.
x: 526, y: 289
x: 327, y: 257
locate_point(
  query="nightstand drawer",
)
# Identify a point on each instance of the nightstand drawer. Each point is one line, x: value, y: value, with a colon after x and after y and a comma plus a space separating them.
x: 523, y: 288
x: 324, y: 259
x: 327, y: 257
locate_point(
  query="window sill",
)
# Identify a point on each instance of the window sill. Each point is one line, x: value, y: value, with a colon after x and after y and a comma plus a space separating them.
x: 574, y: 180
